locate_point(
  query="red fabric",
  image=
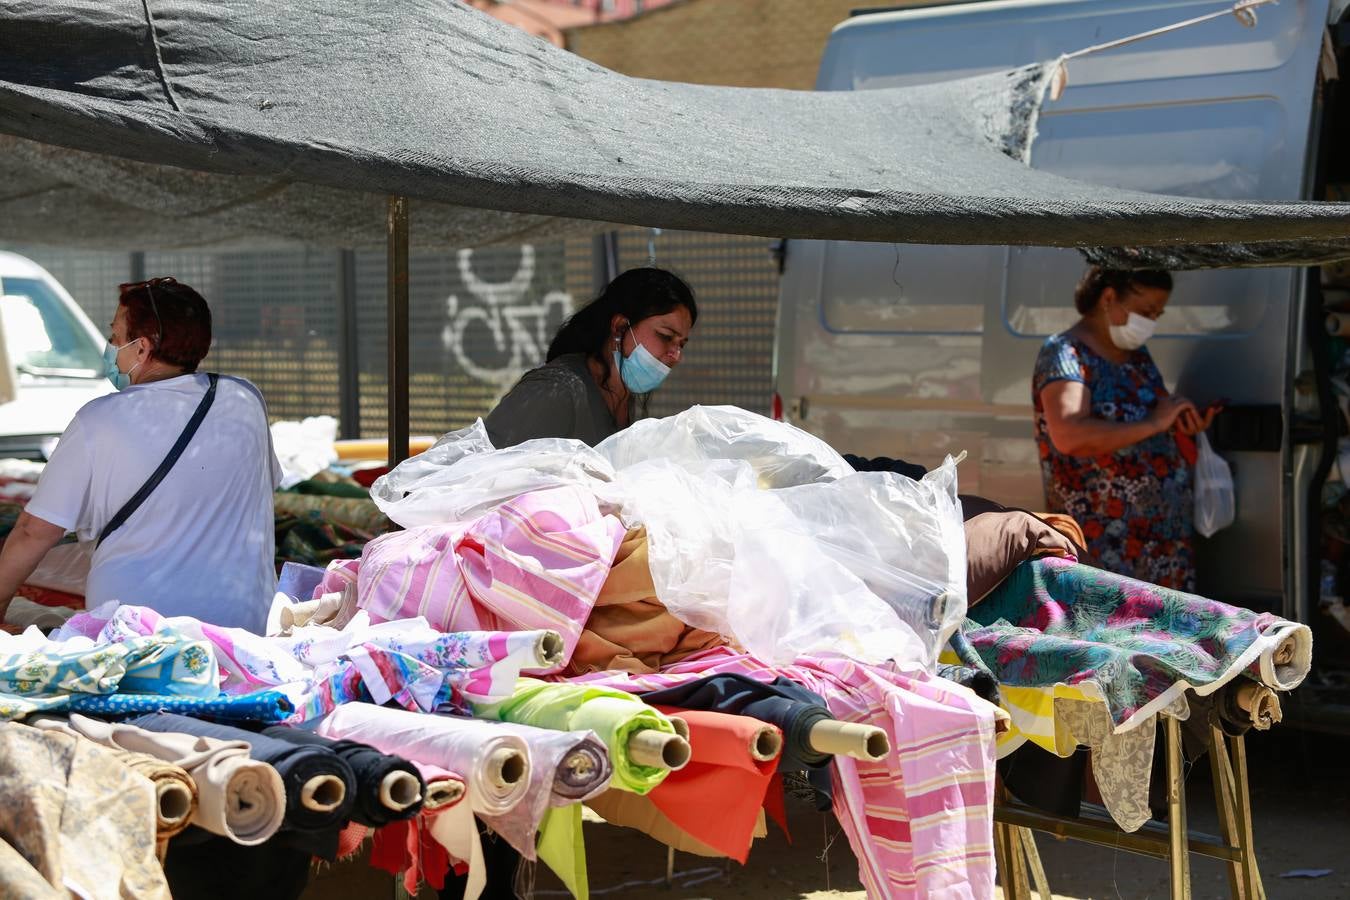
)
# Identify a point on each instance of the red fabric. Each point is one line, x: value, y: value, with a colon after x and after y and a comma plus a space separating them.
x: 720, y: 766
x: 350, y: 840
x: 50, y: 597
x: 775, y: 806
x: 408, y: 848
x: 366, y: 477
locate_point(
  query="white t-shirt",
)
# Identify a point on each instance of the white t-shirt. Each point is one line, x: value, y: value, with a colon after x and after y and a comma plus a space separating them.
x: 202, y: 543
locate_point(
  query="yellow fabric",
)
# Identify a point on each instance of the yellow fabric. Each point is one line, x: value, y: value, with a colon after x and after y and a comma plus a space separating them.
x: 1032, y: 713
x: 562, y: 847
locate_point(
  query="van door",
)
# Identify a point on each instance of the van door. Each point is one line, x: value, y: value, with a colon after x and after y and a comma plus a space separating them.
x: 915, y: 351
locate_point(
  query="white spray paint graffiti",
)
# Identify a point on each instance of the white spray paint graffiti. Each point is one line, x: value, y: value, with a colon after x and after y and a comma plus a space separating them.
x: 520, y: 330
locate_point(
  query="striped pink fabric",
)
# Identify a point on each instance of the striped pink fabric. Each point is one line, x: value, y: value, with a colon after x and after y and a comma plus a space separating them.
x: 921, y: 820
x: 535, y: 562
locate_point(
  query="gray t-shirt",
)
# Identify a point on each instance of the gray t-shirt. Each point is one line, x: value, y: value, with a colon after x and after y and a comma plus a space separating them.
x: 560, y: 399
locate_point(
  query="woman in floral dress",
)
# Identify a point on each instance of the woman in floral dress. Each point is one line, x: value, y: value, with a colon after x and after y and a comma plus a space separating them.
x: 1104, y: 428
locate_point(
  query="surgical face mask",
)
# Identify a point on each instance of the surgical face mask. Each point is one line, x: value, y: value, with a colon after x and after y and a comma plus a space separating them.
x: 1134, y: 333
x: 118, y: 378
x: 641, y: 372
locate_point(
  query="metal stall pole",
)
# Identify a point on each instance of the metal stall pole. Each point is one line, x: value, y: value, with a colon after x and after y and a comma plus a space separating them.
x: 398, y: 329
x: 349, y: 360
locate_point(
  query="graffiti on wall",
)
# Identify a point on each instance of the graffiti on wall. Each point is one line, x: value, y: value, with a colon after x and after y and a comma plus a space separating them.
x: 497, y: 332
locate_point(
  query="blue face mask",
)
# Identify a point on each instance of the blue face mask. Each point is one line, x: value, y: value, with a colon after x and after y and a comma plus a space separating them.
x: 641, y: 372
x: 118, y: 378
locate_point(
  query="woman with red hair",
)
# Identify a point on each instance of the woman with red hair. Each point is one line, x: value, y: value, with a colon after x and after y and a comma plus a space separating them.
x: 170, y: 479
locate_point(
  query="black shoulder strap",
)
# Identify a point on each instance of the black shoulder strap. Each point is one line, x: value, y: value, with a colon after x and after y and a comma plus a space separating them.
x: 176, y: 451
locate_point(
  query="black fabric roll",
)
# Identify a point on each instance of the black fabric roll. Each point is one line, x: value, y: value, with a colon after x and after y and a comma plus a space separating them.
x: 315, y: 831
x: 370, y: 767
x: 885, y: 464
x: 781, y: 702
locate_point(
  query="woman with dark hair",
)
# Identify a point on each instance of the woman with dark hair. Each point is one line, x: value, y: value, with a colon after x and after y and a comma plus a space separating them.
x: 603, y: 364
x: 1104, y: 428
x: 178, y: 515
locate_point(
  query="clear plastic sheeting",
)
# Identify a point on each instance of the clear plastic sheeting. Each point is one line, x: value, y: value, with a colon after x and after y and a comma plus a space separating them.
x: 757, y: 530
x: 779, y: 456
x: 462, y: 476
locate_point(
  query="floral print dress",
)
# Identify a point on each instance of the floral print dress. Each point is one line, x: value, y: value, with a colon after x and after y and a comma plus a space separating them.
x: 1135, y: 505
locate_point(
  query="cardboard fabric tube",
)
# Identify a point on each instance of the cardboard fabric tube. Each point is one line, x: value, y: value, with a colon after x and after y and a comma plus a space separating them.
x: 175, y: 806
x: 658, y: 750
x: 399, y: 790
x: 681, y: 727
x: 549, y: 650
x: 323, y: 793
x: 849, y: 739
x: 766, y: 744
x: 1338, y: 324
x: 443, y: 793
x: 1261, y: 703
x: 505, y: 767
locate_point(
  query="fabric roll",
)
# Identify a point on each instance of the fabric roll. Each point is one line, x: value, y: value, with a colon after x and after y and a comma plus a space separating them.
x: 614, y: 716
x: 727, y: 763
x: 37, y: 674
x: 642, y: 814
x: 237, y: 797
x: 259, y: 707
x: 444, y: 788
x: 629, y: 627
x: 1142, y: 647
x: 408, y: 848
x: 319, y: 785
x: 79, y: 818
x: 782, y: 703
x: 175, y: 791
x: 495, y: 766
x: 388, y: 788
x: 565, y: 767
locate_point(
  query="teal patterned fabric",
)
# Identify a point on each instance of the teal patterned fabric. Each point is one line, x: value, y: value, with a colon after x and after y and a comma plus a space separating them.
x: 164, y: 663
x: 264, y: 707
x: 1057, y: 622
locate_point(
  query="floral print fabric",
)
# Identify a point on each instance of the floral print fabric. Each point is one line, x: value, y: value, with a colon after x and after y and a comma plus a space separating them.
x: 1140, y: 645
x: 1135, y: 505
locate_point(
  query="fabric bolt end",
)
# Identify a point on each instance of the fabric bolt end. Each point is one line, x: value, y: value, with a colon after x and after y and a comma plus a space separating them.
x: 237, y: 797
x: 372, y: 771
x: 297, y: 766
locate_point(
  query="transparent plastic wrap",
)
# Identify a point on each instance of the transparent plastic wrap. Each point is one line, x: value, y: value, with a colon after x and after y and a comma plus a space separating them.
x: 779, y: 454
x: 462, y: 476
x: 870, y: 565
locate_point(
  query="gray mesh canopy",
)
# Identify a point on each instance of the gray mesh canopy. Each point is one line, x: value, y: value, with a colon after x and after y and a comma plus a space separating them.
x: 171, y: 123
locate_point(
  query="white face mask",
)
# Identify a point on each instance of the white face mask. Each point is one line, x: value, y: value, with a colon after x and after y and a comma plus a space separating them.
x: 1134, y: 333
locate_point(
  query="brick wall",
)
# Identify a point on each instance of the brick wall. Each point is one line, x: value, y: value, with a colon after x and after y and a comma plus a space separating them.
x: 746, y: 43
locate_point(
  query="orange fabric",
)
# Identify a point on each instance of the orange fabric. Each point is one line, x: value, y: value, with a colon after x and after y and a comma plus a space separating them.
x: 1066, y: 525
x: 638, y: 812
x: 721, y: 770
x: 629, y: 629
x: 49, y: 596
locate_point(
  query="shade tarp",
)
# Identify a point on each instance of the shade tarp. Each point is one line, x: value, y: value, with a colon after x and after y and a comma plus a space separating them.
x: 172, y: 123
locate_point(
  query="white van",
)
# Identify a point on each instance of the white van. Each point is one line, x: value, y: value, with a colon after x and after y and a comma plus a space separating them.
x: 913, y: 351
x: 51, y: 359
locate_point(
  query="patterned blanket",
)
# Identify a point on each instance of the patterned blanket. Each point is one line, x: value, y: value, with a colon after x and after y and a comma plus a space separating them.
x: 1140, y: 645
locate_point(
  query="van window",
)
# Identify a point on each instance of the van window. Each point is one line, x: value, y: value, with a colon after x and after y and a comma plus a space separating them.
x: 1212, y: 150
x: 43, y: 335
x: 907, y: 288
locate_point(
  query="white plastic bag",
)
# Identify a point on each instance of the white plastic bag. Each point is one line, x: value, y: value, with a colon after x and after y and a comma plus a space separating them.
x: 305, y: 448
x: 1215, y: 506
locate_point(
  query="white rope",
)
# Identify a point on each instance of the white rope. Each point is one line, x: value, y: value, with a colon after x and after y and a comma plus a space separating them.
x: 1243, y: 10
